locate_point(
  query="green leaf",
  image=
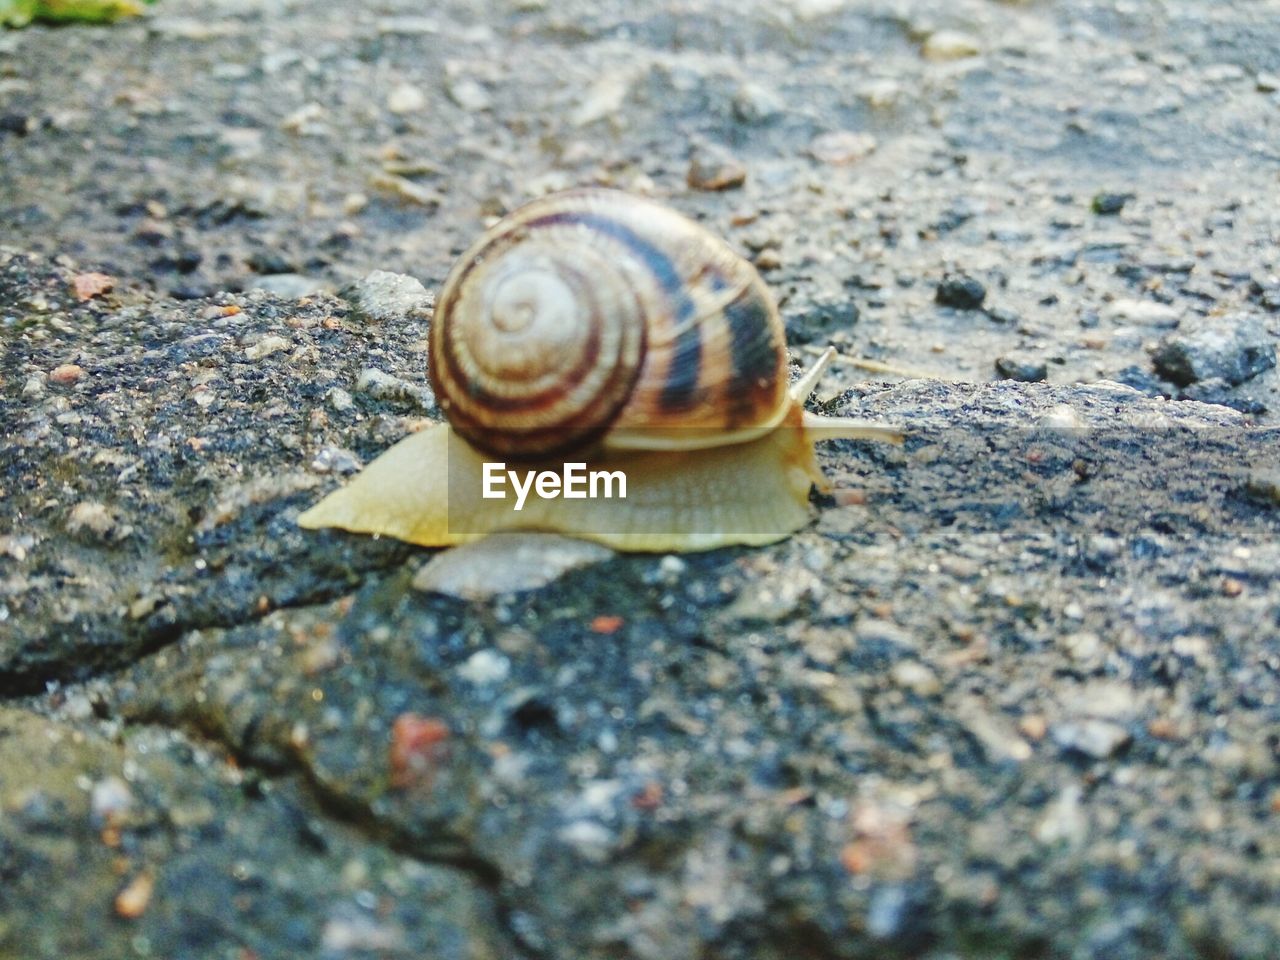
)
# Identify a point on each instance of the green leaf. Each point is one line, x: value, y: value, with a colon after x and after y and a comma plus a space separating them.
x: 18, y: 13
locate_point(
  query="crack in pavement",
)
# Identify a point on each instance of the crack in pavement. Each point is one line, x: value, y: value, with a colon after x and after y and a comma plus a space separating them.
x: 440, y: 849
x: 348, y: 811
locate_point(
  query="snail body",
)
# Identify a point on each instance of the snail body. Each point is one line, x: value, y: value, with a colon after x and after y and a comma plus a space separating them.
x: 599, y: 327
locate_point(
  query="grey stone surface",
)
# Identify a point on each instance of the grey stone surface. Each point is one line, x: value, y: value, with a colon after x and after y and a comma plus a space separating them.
x: 1014, y: 693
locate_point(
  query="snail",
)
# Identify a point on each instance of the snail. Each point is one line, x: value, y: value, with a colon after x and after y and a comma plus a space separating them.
x: 600, y: 327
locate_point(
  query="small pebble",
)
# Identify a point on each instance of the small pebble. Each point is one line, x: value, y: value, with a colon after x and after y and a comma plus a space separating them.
x: 469, y: 94
x: 772, y: 603
x: 1106, y: 699
x: 360, y: 934
x: 1162, y: 728
x: 950, y: 45
x: 1064, y: 820
x: 916, y: 677
x: 1083, y: 647
x: 406, y: 98
x: 1231, y: 347
x: 383, y: 297
x: 840, y: 148
x: 881, y: 93
x: 307, y: 120
x: 589, y: 839
x: 961, y: 292
x: 768, y: 259
x: 1267, y: 82
x: 1141, y: 311
x: 604, y: 98
x: 1263, y: 485
x: 132, y: 901
x: 89, y: 285
x: 192, y: 28
x: 110, y: 800
x: 1098, y: 739
x: 1063, y: 416
x: 408, y: 25
x: 144, y: 606
x: 755, y: 103
x: 18, y: 123
x: 409, y: 191
x: 997, y: 738
x: 95, y: 518
x: 1223, y: 73
x: 339, y: 400
x: 1033, y: 727
x: 66, y: 374
x: 672, y: 567
x: 887, y: 912
x: 877, y: 630
x: 712, y: 170
x: 1021, y: 367
x: 485, y: 667
x: 383, y: 386
x: 265, y: 346
x: 335, y: 460
x: 1109, y: 204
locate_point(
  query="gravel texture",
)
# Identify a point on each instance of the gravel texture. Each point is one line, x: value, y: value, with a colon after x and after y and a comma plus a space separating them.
x: 1014, y: 693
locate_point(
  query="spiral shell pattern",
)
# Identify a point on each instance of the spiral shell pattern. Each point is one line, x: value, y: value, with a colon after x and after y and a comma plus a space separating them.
x: 593, y: 316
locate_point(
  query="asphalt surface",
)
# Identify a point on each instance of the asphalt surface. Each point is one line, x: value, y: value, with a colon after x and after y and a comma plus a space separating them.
x: 1014, y: 693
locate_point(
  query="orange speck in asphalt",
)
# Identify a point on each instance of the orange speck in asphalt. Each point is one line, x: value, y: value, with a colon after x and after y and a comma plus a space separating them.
x: 418, y: 744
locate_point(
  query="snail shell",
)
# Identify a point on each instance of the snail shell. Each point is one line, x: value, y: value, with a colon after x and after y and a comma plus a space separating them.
x: 595, y: 316
x: 607, y: 327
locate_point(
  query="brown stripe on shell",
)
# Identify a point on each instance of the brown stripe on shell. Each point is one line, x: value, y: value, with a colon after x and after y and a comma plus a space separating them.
x: 680, y: 392
x: 736, y: 377
x: 758, y: 358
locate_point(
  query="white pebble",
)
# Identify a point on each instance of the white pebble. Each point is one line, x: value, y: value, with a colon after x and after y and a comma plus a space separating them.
x: 916, y: 677
x: 110, y: 799
x: 469, y: 94
x: 266, y: 346
x: 406, y: 98
x: 1140, y: 311
x: 339, y: 399
x: 589, y: 839
x: 484, y: 667
x: 950, y: 45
